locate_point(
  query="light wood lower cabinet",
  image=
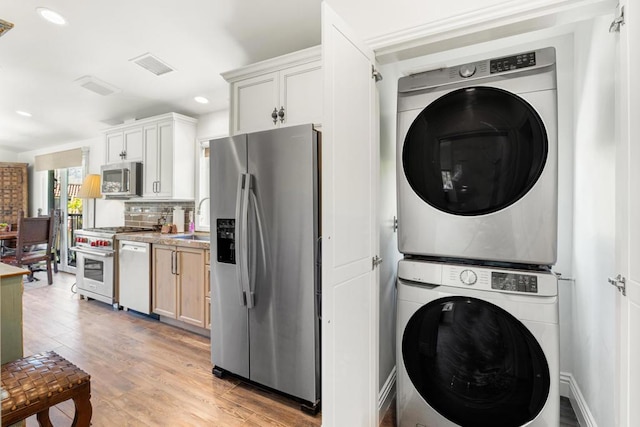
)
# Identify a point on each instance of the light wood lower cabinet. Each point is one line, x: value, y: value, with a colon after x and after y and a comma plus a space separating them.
x: 179, y: 277
x: 165, y: 294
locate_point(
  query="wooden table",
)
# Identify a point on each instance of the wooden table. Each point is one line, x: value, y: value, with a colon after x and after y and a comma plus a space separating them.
x: 8, y: 235
x: 11, y: 311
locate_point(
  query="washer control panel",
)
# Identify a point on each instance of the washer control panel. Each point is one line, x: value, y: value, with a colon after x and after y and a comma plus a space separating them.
x: 515, y: 62
x: 514, y: 282
x: 478, y: 278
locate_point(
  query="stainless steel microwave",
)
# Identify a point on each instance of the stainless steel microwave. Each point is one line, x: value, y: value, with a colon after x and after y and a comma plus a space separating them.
x: 122, y: 180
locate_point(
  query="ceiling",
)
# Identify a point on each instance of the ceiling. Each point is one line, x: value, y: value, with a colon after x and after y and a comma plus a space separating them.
x: 42, y: 63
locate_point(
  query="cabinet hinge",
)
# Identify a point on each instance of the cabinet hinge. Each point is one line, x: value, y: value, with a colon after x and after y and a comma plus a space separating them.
x: 375, y: 261
x: 620, y: 283
x: 375, y: 74
x: 618, y: 22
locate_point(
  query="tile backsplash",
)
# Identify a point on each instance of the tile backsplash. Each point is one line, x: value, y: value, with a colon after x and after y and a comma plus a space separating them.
x: 154, y: 214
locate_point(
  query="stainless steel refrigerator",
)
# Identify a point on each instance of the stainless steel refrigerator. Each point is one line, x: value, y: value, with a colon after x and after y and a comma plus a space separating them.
x: 265, y: 292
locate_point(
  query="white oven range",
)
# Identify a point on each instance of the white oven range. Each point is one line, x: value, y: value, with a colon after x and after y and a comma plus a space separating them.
x: 97, y: 262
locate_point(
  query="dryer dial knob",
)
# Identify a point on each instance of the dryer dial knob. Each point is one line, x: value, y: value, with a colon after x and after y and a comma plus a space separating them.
x: 468, y: 277
x: 467, y: 70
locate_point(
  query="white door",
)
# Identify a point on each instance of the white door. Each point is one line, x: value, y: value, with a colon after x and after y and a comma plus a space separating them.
x: 628, y: 215
x: 350, y: 293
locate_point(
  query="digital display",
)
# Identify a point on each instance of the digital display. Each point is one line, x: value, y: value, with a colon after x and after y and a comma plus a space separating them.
x: 514, y: 282
x: 512, y: 62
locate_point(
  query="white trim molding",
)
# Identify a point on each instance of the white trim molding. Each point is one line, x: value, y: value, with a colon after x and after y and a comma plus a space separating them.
x: 569, y: 388
x: 387, y: 393
x: 488, y: 23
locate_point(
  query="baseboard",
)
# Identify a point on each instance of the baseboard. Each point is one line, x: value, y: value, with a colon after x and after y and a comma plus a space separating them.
x: 386, y: 394
x: 569, y: 388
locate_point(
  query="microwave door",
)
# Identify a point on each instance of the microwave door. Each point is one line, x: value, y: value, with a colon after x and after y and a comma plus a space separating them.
x: 126, y: 173
x: 112, y: 181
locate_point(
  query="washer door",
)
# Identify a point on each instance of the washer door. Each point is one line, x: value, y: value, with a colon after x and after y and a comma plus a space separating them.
x: 475, y: 151
x: 475, y: 364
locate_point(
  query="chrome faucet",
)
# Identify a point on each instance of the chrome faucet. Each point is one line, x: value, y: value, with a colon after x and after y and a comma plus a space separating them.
x: 200, y: 205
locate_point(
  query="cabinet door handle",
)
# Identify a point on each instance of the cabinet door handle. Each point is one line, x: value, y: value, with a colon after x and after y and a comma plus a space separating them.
x: 274, y: 115
x: 175, y: 254
x: 158, y: 190
x: 281, y: 114
x: 172, y: 263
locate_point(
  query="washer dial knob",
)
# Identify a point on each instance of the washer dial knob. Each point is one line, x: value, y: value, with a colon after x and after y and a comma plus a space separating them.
x: 467, y: 70
x: 468, y: 277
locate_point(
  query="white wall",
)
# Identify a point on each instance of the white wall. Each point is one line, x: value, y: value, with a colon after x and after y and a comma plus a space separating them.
x: 388, y: 237
x: 214, y: 124
x: 8, y: 156
x: 593, y: 306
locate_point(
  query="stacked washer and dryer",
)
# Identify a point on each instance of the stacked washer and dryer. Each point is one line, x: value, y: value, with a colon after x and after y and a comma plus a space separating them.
x: 478, y: 335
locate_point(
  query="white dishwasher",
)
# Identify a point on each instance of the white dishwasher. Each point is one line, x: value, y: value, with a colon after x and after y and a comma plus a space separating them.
x: 134, y: 267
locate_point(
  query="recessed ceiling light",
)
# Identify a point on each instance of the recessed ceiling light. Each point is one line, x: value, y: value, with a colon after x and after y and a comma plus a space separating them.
x: 51, y: 16
x: 23, y: 113
x: 201, y: 99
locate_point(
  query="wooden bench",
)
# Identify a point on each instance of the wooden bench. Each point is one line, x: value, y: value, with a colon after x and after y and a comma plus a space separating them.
x: 33, y: 384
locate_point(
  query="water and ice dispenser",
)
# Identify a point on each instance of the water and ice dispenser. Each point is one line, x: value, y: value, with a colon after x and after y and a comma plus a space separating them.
x: 225, y: 240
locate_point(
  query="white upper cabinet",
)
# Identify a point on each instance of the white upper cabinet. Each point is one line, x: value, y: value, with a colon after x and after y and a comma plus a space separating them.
x: 124, y: 145
x: 282, y: 91
x: 165, y: 145
x: 169, y: 158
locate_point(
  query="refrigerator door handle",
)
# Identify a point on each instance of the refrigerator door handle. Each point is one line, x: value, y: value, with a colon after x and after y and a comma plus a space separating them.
x: 239, y: 231
x: 244, y: 241
x: 263, y: 247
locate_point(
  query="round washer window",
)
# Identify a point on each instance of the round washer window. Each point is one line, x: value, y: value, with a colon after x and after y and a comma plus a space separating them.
x: 475, y: 151
x: 475, y: 364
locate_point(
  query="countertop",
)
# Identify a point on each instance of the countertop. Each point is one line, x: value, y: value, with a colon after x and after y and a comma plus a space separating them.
x: 7, y: 270
x: 166, y: 239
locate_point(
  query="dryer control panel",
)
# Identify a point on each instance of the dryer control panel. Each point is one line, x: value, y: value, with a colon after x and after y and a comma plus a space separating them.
x: 515, y: 62
x: 514, y: 282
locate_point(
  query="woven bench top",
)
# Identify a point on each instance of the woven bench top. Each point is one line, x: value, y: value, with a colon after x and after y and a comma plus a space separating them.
x: 34, y: 379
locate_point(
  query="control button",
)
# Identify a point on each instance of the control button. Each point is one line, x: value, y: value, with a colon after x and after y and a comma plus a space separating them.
x: 467, y: 70
x: 468, y: 277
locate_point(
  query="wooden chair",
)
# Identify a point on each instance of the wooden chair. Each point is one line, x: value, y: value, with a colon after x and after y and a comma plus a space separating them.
x: 31, y: 233
x: 56, y: 216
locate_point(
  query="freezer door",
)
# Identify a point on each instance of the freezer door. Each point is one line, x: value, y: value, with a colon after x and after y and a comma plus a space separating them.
x: 229, y: 324
x: 283, y: 229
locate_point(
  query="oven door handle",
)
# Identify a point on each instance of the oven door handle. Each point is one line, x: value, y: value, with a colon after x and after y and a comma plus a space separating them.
x: 96, y: 253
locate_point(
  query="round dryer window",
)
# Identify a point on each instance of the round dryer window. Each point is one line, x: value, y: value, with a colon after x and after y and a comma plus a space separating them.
x: 475, y: 151
x: 475, y: 364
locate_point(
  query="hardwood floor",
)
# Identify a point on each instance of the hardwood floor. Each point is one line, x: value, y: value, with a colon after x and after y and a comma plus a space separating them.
x: 147, y: 373
x: 143, y: 372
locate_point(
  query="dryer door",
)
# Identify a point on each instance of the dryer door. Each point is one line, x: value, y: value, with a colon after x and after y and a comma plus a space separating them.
x: 475, y: 364
x: 475, y: 151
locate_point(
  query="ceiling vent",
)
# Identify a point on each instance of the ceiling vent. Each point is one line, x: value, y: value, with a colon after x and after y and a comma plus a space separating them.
x: 153, y: 64
x: 97, y: 86
x: 5, y: 26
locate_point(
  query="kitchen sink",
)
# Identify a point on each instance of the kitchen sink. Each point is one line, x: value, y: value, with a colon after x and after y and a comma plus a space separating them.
x: 199, y: 237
